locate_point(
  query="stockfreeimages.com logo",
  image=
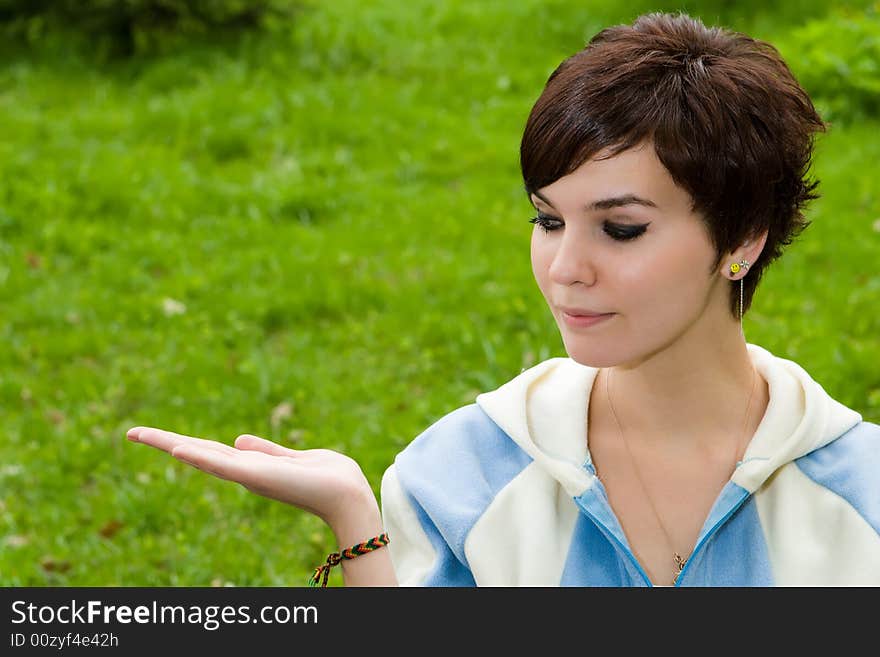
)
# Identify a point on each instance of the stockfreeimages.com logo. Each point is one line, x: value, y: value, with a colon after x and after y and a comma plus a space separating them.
x: 210, y: 617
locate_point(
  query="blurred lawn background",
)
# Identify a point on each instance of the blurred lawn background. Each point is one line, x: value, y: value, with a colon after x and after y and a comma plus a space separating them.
x: 316, y: 232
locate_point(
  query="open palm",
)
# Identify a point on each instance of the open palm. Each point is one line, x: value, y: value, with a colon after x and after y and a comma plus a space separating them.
x: 320, y: 481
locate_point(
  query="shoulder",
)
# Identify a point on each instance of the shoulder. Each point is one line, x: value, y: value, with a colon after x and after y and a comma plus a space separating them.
x: 437, y: 489
x: 461, y: 448
x: 856, y: 450
x: 848, y: 467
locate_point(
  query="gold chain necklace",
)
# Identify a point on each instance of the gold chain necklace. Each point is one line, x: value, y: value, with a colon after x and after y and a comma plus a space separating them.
x: 679, y: 560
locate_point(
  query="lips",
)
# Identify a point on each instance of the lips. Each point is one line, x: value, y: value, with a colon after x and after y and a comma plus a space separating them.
x: 585, y: 321
x: 582, y: 312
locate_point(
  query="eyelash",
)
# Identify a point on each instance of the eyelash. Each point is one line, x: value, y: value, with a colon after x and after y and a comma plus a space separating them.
x: 613, y: 231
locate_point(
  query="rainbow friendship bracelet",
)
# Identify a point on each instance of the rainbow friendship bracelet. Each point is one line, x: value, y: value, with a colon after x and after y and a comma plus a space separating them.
x: 322, y: 572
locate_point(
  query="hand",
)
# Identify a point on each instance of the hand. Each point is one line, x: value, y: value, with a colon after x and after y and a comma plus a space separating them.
x: 323, y: 482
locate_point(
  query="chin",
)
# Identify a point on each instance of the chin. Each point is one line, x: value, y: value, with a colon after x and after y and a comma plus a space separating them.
x: 591, y: 355
x: 599, y: 363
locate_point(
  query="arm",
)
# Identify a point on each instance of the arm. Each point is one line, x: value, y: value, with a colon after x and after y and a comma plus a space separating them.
x: 321, y: 481
x: 363, y: 522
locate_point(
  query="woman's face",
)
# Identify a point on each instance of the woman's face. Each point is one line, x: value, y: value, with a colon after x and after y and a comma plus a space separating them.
x: 656, y: 285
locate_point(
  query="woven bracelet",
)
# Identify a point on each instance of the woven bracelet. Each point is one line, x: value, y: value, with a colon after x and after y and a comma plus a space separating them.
x: 322, y: 572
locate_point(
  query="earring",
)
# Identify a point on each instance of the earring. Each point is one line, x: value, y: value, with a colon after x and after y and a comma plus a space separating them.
x: 734, y: 269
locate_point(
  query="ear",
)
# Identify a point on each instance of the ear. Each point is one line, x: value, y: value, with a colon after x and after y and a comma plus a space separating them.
x: 750, y: 250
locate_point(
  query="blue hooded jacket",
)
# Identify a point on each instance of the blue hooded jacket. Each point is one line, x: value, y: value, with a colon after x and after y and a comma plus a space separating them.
x: 502, y: 492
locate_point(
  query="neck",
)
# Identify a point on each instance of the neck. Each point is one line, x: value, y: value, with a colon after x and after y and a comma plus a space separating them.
x: 692, y: 391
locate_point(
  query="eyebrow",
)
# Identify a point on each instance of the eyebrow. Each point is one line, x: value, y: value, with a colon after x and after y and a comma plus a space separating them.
x: 605, y: 203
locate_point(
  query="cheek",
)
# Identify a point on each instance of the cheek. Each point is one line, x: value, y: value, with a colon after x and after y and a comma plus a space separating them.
x: 665, y: 274
x: 663, y: 293
x: 639, y: 282
x: 542, y: 258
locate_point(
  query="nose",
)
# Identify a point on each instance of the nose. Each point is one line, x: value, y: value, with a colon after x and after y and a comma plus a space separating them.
x: 572, y: 262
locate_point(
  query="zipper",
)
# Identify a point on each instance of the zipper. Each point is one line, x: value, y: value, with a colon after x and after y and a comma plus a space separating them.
x: 708, y: 535
x: 623, y: 548
x: 609, y: 534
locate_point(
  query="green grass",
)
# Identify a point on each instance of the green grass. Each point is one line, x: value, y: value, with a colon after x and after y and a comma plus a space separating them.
x: 330, y: 217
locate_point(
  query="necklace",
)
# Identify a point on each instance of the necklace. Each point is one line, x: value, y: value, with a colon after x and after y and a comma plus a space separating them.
x: 676, y: 555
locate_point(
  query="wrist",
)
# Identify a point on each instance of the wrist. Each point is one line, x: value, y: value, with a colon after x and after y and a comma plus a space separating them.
x: 358, y: 520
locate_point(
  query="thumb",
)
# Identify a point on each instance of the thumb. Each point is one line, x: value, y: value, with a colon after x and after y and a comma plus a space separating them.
x: 253, y: 443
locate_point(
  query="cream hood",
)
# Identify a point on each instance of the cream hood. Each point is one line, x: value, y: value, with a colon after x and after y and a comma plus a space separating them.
x: 544, y: 410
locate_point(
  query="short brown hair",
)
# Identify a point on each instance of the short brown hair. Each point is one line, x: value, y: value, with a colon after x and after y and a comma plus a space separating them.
x: 726, y: 116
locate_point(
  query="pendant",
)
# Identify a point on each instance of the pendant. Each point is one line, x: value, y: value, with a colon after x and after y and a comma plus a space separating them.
x: 680, y: 563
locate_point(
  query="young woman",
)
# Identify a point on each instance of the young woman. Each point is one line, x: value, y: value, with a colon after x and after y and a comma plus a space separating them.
x: 667, y: 164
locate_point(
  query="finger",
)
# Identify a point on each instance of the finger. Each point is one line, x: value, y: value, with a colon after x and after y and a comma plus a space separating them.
x: 259, y: 472
x: 133, y: 433
x: 168, y: 440
x: 246, y: 468
x: 219, y: 464
x: 249, y: 442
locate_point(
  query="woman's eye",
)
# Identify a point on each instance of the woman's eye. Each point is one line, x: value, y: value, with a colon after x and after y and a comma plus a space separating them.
x: 624, y: 233
x: 546, y: 222
x: 621, y: 233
